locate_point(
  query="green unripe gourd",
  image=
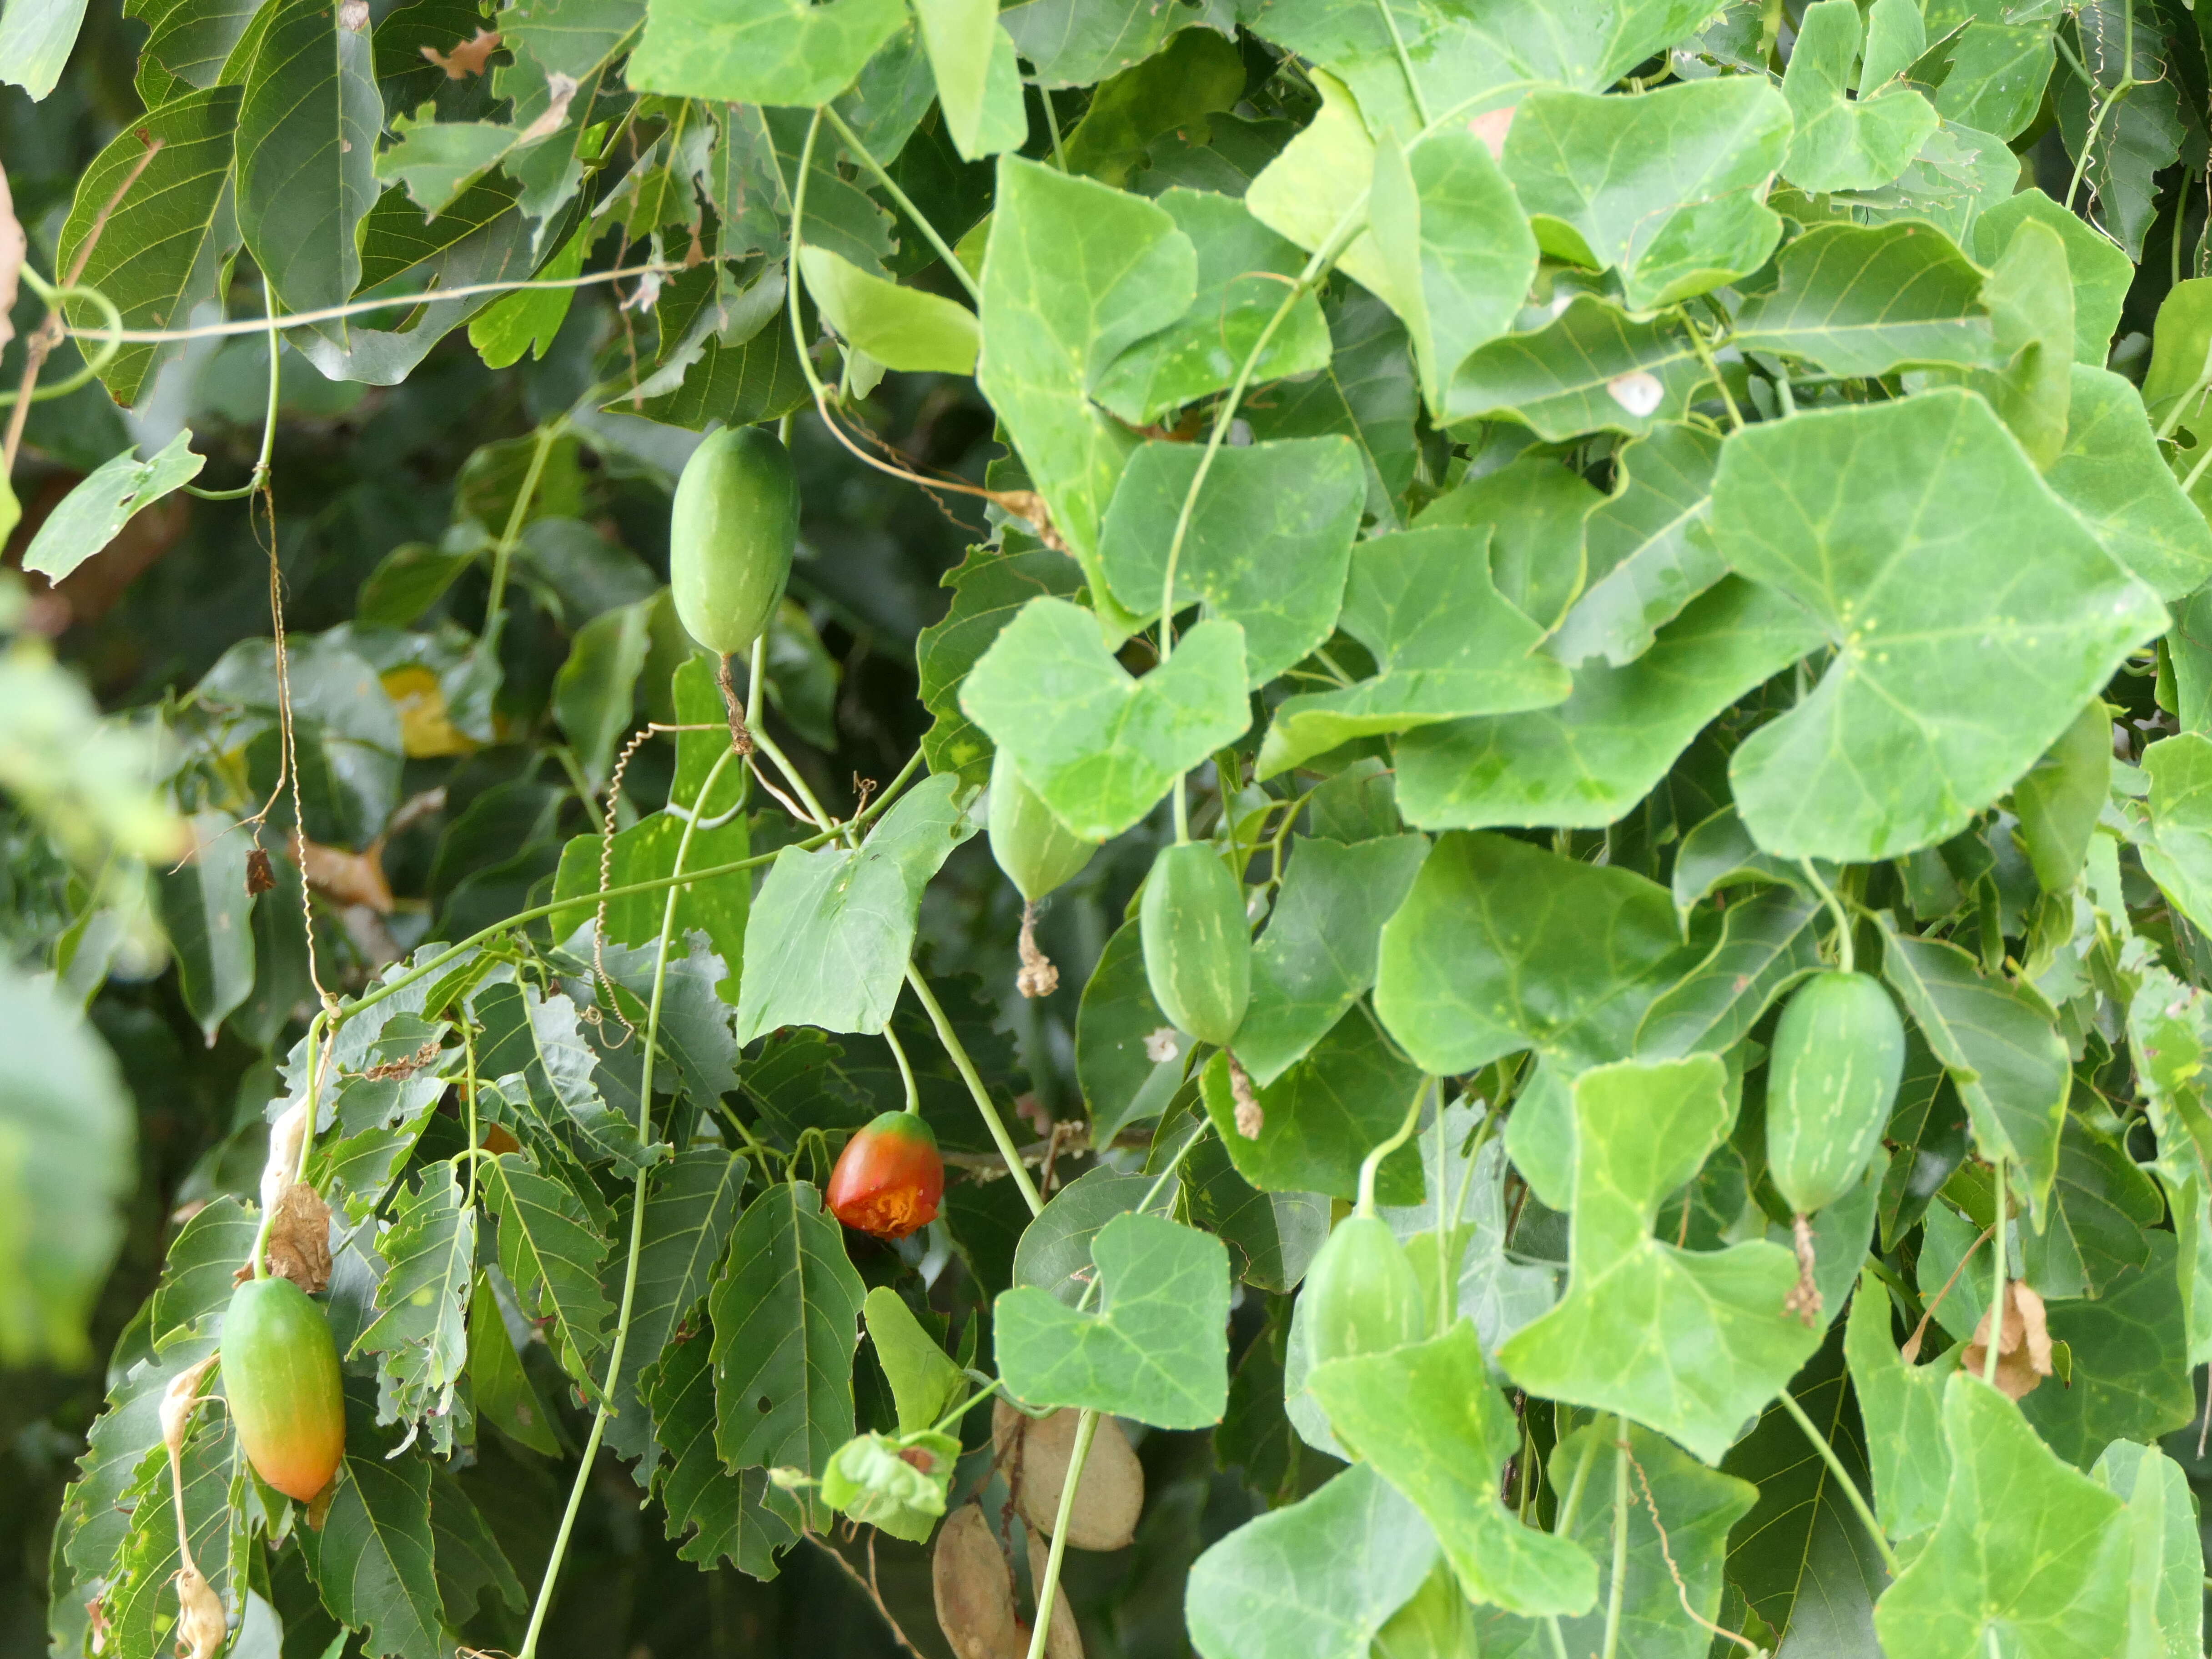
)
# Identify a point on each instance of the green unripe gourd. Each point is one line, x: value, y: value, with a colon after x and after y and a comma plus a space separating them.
x: 1037, y: 852
x: 1198, y: 951
x: 729, y: 537
x: 1362, y: 1294
x: 280, y: 1374
x: 1838, y: 1053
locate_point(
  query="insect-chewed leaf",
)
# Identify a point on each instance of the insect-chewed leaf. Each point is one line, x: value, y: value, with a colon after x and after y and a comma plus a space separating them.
x: 550, y: 1253
x: 421, y: 1331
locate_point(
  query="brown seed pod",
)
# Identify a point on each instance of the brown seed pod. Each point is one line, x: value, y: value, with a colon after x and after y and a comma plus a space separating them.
x: 1033, y: 1454
x: 974, y: 1589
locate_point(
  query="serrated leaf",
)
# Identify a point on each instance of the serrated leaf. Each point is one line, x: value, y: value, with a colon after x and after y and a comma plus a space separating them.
x: 1425, y: 1417
x: 786, y: 1310
x: 1157, y: 1350
x: 1869, y: 299
x: 374, y: 1557
x: 1099, y: 747
x: 421, y: 1331
x: 759, y: 52
x: 743, y: 1520
x: 1665, y: 186
x: 1587, y: 761
x: 468, y: 1559
x: 691, y: 1206
x: 197, y: 1272
x: 694, y: 1021
x: 139, y: 1599
x: 1896, y: 527
x: 88, y: 517
x: 1636, y: 1310
x: 537, y: 1037
x: 550, y: 1252
x: 828, y: 937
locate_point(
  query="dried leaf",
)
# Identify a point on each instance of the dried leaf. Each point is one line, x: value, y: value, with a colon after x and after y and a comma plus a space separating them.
x: 178, y: 1401
x: 260, y: 874
x: 344, y: 878
x: 200, y: 1622
x: 300, y: 1239
x: 468, y: 57
x: 562, y: 89
x: 2023, y: 1343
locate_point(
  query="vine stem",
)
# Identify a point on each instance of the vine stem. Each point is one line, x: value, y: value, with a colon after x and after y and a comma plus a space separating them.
x: 850, y: 140
x: 1048, y: 1588
x: 1616, y: 1593
x: 269, y: 419
x: 1340, y: 237
x: 1373, y: 1162
x: 1846, y: 957
x: 966, y: 1067
x: 1851, y: 1493
x: 636, y: 1232
x: 516, y: 514
x: 119, y: 335
x: 1995, y: 1316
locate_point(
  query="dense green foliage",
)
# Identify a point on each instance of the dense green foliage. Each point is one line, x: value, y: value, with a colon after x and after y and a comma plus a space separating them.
x: 1588, y: 628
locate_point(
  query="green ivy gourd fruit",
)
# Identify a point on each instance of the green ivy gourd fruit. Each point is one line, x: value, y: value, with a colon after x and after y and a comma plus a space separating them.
x: 280, y: 1373
x: 1838, y: 1054
x: 1362, y: 1294
x: 730, y: 535
x: 1198, y: 951
x: 1038, y: 854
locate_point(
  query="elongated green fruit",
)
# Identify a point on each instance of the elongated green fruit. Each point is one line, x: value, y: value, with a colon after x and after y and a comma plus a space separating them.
x: 1838, y: 1052
x: 729, y: 537
x: 1031, y: 846
x: 1198, y: 954
x: 280, y: 1373
x: 1361, y: 1292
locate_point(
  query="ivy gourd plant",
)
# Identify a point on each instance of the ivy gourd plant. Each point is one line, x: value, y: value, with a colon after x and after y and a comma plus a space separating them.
x: 1585, y: 638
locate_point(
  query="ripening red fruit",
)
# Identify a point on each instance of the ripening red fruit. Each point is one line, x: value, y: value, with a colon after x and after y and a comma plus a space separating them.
x: 889, y: 1178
